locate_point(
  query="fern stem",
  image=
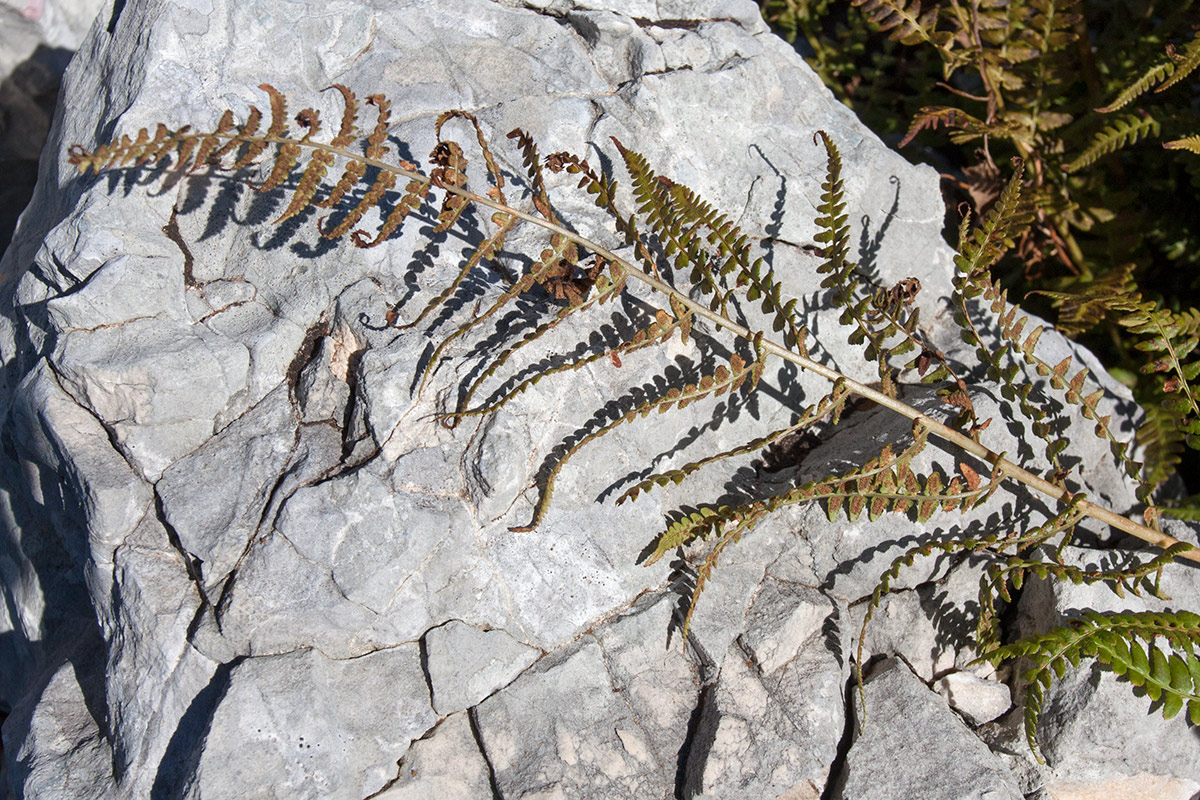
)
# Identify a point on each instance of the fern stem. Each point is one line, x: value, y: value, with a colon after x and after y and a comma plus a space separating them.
x: 1001, y: 466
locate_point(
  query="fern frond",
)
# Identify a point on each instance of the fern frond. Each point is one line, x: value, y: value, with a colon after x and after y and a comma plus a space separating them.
x: 1143, y: 84
x: 1120, y: 132
x: 834, y: 236
x: 955, y: 119
x: 1127, y: 644
x: 1185, y: 63
x: 713, y: 253
x: 1189, y: 143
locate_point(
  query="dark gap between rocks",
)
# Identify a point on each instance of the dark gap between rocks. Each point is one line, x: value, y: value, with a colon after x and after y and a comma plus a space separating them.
x: 693, y: 753
x: 475, y: 732
x: 837, y: 770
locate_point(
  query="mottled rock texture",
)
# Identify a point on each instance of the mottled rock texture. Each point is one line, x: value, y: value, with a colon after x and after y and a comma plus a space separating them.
x: 241, y: 557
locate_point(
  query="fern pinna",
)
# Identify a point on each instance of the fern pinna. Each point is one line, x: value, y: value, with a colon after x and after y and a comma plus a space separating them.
x: 672, y: 226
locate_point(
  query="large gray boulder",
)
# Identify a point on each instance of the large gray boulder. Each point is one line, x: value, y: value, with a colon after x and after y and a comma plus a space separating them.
x: 241, y: 557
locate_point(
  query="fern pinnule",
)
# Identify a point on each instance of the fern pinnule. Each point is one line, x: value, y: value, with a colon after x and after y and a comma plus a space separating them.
x: 884, y: 483
x: 667, y: 221
x: 678, y: 217
x: 894, y: 308
x: 450, y: 171
x: 978, y: 250
x: 963, y: 127
x: 533, y: 168
x: 733, y: 246
x: 319, y: 163
x: 604, y: 188
x: 1015, y: 570
x: 348, y: 132
x: 383, y: 183
x: 415, y: 193
x: 209, y: 144
x: 1169, y: 339
x: 487, y: 250
x: 883, y: 587
x: 1153, y: 75
x: 1173, y: 338
x: 489, y: 160
x: 884, y: 320
x: 285, y: 161
x: 1161, y: 445
x: 730, y: 535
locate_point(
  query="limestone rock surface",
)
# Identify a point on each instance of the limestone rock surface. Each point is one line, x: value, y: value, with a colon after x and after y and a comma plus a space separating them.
x: 241, y: 556
x: 912, y: 746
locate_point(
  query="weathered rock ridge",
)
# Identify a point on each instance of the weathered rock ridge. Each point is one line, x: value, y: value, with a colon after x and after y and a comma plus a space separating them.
x: 241, y: 558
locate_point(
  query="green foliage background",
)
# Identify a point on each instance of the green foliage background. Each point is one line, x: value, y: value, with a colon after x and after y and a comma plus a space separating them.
x: 1087, y: 97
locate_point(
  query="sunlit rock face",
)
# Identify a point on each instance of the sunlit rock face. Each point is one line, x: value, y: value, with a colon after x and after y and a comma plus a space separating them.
x: 243, y: 557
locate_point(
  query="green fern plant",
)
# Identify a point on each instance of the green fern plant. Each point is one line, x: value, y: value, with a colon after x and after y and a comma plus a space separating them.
x: 1128, y: 644
x: 1077, y: 92
x: 716, y: 264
